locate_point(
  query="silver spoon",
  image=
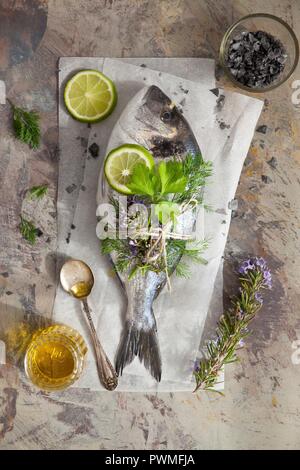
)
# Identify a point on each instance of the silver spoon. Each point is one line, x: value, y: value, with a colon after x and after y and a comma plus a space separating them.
x: 77, y: 279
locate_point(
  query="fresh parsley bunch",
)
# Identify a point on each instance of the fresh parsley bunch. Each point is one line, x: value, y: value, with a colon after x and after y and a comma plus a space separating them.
x: 184, y: 179
x: 164, y: 178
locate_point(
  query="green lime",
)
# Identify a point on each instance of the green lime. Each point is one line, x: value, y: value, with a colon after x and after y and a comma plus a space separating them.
x: 90, y: 96
x: 119, y: 164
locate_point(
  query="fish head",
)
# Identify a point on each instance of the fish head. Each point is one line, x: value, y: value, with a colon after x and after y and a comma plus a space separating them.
x: 166, y: 130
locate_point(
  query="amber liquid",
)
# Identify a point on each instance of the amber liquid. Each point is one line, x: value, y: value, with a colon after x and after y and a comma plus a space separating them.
x: 81, y: 290
x: 54, y: 360
x: 55, y: 357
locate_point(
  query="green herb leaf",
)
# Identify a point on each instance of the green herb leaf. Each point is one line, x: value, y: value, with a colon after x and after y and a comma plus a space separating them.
x: 108, y: 245
x: 26, y: 126
x: 38, y: 192
x: 28, y: 230
x: 172, y: 178
x: 177, y: 249
x: 139, y: 268
x: 143, y: 181
x: 196, y: 170
x: 182, y: 270
x: 166, y: 178
x: 194, y: 254
x: 167, y: 211
x: 122, y: 250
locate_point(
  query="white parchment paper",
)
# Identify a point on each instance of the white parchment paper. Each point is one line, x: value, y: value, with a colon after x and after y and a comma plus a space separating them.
x: 224, y: 127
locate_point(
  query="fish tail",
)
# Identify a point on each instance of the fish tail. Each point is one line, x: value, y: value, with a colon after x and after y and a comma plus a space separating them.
x: 142, y: 343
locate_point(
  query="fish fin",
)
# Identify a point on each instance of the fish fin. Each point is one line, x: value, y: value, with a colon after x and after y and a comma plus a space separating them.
x: 141, y: 343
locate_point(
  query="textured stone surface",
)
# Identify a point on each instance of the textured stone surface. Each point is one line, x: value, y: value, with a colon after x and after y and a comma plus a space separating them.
x: 261, y: 408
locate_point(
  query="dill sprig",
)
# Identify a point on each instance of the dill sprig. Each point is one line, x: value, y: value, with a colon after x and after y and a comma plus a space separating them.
x: 129, y: 256
x: 37, y: 192
x: 183, y: 270
x: 181, y: 250
x: 26, y: 126
x: 108, y: 245
x: 232, y: 327
x: 122, y: 251
x: 28, y: 230
x: 196, y: 170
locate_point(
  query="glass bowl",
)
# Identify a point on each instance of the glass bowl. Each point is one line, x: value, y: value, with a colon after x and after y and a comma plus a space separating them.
x: 55, y: 357
x: 271, y: 25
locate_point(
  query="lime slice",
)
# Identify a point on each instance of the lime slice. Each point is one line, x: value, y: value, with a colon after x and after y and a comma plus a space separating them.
x: 90, y: 96
x: 119, y: 164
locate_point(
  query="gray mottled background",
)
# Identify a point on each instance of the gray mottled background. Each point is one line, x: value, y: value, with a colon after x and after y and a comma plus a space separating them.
x: 261, y: 407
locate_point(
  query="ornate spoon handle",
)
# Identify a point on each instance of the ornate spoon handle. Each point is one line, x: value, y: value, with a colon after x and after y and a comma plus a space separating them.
x: 106, y: 371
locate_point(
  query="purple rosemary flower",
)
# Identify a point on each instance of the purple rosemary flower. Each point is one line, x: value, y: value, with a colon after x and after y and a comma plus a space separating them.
x: 260, y: 263
x: 246, y: 266
x: 240, y: 313
x: 258, y: 297
x: 257, y: 264
x: 267, y: 279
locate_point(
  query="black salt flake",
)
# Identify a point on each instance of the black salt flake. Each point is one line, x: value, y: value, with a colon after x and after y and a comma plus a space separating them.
x: 273, y: 163
x: 255, y: 59
x: 266, y: 179
x: 262, y: 129
x: 94, y: 150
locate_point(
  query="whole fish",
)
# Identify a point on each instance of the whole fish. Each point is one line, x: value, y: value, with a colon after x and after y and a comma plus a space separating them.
x: 152, y: 120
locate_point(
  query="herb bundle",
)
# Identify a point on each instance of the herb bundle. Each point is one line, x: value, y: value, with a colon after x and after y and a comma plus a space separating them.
x: 174, y: 188
x: 232, y: 327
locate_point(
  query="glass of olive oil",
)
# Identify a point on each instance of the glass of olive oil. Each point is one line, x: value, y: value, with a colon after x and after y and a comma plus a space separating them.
x: 55, y: 357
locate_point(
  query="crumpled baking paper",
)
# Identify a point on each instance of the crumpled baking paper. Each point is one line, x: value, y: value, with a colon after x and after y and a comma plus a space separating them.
x: 223, y: 126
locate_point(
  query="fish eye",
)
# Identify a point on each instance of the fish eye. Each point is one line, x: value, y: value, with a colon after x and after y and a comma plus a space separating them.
x: 166, y: 116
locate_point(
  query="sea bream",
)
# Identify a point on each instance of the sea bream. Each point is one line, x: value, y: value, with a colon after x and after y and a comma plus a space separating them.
x: 152, y: 120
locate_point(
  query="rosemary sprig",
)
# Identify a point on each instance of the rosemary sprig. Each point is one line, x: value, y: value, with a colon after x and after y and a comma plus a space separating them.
x: 37, y: 192
x: 26, y: 126
x: 232, y: 327
x: 28, y: 230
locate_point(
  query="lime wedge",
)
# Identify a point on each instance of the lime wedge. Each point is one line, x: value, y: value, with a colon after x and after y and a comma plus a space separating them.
x: 90, y: 96
x: 119, y: 164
